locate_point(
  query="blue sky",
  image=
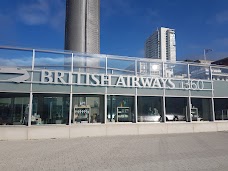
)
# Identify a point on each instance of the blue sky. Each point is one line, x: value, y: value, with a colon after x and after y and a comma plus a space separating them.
x: 125, y: 25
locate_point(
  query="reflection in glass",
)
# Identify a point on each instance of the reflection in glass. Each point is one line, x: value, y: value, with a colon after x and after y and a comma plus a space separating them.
x: 176, y: 108
x: 52, y: 61
x: 150, y: 68
x: 88, y: 63
x: 14, y: 109
x: 87, y: 109
x: 120, y: 109
x: 123, y: 67
x: 219, y: 73
x: 149, y: 109
x: 199, y: 72
x: 50, y: 109
x: 221, y: 109
x: 178, y: 71
x: 201, y: 109
x: 16, y: 58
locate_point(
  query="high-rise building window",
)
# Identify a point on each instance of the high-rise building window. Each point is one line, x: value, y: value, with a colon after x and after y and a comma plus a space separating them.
x: 162, y: 45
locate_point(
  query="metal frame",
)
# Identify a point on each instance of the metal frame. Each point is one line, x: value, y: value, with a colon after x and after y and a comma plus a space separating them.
x: 106, y: 93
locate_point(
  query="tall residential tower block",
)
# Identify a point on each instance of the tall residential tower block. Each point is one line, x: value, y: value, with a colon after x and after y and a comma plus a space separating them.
x: 161, y: 45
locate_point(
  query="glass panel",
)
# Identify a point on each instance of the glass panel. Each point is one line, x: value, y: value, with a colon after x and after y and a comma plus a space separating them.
x: 13, y: 109
x: 149, y: 109
x: 150, y: 68
x: 15, y: 65
x: 176, y: 108
x: 219, y: 73
x: 50, y: 109
x: 121, y: 67
x: 199, y: 72
x: 16, y: 58
x: 120, y: 109
x: 221, y: 109
x: 88, y: 109
x: 178, y: 71
x: 5, y: 111
x: 52, y: 61
x: 89, y: 63
x: 201, y: 109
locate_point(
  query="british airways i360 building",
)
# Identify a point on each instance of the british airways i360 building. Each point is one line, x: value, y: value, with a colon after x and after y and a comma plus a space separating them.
x: 61, y: 94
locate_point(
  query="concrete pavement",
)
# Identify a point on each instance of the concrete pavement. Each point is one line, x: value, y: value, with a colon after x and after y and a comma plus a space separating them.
x: 192, y: 151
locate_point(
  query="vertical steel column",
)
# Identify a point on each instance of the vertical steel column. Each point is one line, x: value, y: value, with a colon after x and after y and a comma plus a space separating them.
x: 189, y: 103
x: 212, y: 96
x: 163, y: 97
x: 30, y: 93
x: 71, y: 88
x: 106, y: 90
x: 163, y: 69
x: 188, y: 110
x: 136, y: 95
x: 164, y: 109
x: 136, y: 105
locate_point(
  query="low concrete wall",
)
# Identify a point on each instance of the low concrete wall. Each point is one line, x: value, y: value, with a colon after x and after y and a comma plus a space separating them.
x: 205, y: 127
x: 13, y: 133
x: 88, y: 130
x: 180, y: 127
x: 121, y: 129
x: 113, y: 129
x: 154, y: 128
x: 222, y: 126
x: 48, y: 132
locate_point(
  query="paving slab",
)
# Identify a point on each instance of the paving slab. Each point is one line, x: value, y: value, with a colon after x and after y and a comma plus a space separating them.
x: 171, y: 152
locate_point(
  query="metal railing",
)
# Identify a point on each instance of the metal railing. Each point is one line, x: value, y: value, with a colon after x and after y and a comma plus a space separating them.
x: 99, y: 63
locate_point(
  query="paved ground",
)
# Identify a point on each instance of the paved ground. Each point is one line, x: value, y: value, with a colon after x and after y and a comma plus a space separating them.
x: 198, y: 151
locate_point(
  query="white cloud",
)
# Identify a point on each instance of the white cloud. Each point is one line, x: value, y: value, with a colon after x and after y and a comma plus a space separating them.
x: 49, y: 61
x: 219, y: 18
x: 222, y: 42
x: 35, y: 13
x: 16, y: 61
x: 42, y: 12
x: 222, y: 17
x: 39, y: 61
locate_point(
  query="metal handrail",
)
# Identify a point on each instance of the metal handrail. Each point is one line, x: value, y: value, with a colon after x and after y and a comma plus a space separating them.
x: 112, y: 57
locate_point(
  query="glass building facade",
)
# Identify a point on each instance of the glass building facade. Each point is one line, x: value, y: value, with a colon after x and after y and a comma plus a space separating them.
x: 39, y: 87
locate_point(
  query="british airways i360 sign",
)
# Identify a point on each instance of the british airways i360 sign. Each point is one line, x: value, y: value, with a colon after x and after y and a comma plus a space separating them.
x: 88, y: 79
